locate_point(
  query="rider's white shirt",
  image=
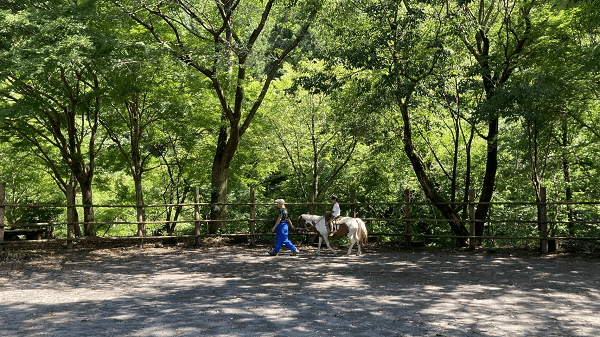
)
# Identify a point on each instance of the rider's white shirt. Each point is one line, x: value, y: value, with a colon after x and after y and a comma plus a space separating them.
x: 336, y: 210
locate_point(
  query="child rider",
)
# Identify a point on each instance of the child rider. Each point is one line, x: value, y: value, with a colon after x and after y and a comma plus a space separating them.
x: 334, y: 214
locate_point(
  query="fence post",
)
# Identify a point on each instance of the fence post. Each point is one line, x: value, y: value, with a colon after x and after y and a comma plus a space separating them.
x: 407, y: 216
x: 472, y: 241
x: 252, y: 216
x: 197, y: 215
x: 543, y: 220
x: 311, y: 210
x: 353, y: 204
x: 70, y: 215
x: 2, y: 210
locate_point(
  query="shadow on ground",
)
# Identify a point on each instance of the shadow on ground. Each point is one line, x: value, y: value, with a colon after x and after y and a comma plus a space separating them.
x: 242, y: 291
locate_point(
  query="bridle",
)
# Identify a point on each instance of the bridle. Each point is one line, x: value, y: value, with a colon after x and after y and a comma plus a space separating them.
x: 303, y: 223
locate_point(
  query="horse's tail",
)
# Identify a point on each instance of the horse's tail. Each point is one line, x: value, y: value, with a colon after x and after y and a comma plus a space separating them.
x: 363, y: 236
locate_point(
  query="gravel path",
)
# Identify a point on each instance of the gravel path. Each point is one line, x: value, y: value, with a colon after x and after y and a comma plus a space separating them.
x: 238, y: 291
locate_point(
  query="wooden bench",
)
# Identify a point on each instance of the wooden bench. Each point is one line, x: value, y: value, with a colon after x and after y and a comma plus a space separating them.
x: 30, y: 234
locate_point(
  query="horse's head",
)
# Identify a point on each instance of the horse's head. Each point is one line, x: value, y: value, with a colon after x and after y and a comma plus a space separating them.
x: 304, y: 223
x: 311, y: 223
x: 301, y: 224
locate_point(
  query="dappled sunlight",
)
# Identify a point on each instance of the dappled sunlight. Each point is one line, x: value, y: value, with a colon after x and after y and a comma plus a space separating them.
x: 233, y: 291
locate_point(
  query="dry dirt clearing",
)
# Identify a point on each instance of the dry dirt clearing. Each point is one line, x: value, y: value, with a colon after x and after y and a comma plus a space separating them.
x: 241, y: 291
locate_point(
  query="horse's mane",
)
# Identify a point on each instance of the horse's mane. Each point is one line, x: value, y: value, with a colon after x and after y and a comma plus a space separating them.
x: 305, y: 219
x: 312, y: 217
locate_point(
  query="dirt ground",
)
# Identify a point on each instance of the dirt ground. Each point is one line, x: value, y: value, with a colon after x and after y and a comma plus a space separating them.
x: 227, y: 290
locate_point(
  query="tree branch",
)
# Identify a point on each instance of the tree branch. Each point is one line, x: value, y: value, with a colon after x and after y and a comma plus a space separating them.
x: 273, y: 71
x: 352, y: 147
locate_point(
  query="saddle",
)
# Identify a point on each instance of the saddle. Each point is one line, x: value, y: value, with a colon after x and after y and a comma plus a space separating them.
x: 328, y: 217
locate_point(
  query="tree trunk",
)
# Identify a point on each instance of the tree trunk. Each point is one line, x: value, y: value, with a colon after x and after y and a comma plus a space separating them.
x: 567, y: 176
x: 458, y: 228
x: 218, y: 196
x: 315, y: 164
x: 88, y: 209
x: 489, y: 179
x: 494, y: 79
x: 139, y: 203
x: 231, y: 130
x: 456, y: 121
x: 468, y: 173
x: 568, y: 196
x: 178, y: 211
x: 136, y: 160
x: 170, y: 226
x: 220, y: 174
x: 76, y: 227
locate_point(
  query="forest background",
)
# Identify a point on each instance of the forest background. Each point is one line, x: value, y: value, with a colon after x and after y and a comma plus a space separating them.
x: 137, y: 102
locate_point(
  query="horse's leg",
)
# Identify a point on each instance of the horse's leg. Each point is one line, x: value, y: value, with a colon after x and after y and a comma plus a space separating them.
x: 328, y: 246
x: 353, y: 237
x: 319, y: 246
x: 352, y: 242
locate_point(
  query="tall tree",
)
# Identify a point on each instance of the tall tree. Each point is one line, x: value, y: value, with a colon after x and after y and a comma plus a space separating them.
x: 48, y: 71
x: 218, y: 39
x: 140, y: 98
x: 403, y: 44
x: 317, y: 133
x: 498, y: 35
x: 409, y: 45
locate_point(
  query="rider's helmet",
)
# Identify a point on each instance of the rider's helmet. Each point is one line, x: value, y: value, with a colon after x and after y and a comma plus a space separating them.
x: 334, y: 197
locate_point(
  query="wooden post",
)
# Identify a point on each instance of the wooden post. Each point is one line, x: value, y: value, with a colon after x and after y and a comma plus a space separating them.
x: 542, y: 220
x: 252, y: 216
x: 353, y: 204
x: 2, y: 211
x: 311, y: 210
x: 197, y: 215
x: 70, y: 215
x: 407, y: 216
x: 472, y: 241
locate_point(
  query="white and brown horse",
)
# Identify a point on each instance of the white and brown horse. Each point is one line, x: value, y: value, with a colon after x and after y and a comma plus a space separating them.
x: 354, y: 228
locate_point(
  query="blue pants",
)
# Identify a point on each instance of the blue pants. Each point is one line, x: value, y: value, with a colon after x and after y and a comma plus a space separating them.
x: 281, y: 238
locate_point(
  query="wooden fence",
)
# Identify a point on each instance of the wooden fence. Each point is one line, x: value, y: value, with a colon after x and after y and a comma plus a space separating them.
x: 407, y: 205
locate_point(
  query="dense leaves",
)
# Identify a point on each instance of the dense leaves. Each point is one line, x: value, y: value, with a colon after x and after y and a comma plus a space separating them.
x: 138, y: 102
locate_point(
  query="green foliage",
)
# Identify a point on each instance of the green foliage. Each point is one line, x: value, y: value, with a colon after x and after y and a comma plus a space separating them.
x: 330, y: 122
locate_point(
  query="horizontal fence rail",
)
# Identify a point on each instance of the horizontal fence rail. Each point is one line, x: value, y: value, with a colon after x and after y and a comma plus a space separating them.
x: 407, y: 209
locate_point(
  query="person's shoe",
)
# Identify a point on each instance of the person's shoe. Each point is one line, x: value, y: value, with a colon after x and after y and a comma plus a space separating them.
x: 294, y: 253
x: 272, y: 253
